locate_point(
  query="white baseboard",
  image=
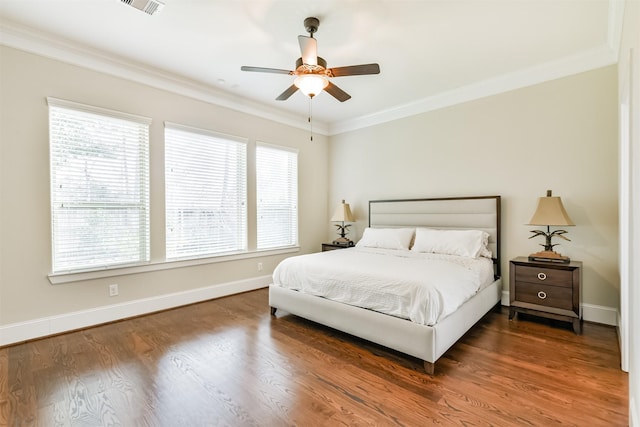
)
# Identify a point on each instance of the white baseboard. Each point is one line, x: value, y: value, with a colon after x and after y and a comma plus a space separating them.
x: 38, y: 328
x: 600, y: 314
x: 505, y: 298
x: 634, y: 421
x: 590, y: 312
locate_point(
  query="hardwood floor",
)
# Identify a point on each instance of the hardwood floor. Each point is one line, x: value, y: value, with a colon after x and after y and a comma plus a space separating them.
x: 228, y: 362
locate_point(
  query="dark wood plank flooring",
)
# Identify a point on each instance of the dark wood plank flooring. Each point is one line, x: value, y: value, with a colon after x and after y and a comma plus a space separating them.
x: 227, y: 362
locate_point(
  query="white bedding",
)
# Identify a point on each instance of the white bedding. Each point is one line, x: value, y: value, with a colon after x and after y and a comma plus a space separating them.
x: 422, y: 287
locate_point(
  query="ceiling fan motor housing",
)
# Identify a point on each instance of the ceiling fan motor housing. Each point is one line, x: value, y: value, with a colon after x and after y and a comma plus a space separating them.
x: 304, y: 68
x: 311, y: 25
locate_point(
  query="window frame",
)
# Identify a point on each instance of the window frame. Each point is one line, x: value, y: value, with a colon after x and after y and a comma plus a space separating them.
x: 242, y: 179
x: 160, y: 264
x: 141, y: 201
x: 296, y: 220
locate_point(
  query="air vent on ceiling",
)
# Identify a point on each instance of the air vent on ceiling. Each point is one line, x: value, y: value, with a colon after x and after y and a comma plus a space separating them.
x: 147, y: 6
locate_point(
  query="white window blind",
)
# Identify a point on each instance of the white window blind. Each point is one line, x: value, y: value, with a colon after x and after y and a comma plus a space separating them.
x: 205, y: 178
x: 99, y: 187
x: 277, y: 196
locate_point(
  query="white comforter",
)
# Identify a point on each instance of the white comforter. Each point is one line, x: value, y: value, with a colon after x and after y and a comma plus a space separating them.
x: 421, y: 287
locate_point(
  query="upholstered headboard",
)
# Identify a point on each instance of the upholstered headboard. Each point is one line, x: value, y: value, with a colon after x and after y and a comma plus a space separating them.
x: 476, y: 213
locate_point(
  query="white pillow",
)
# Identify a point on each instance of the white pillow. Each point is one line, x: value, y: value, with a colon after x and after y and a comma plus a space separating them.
x: 467, y: 243
x: 486, y: 252
x: 387, y: 238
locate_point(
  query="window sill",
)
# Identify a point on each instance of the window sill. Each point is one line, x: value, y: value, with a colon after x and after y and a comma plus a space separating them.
x: 77, y: 276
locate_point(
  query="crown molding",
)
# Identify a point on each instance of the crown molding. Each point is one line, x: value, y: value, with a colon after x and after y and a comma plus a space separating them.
x: 43, y: 44
x: 586, y: 61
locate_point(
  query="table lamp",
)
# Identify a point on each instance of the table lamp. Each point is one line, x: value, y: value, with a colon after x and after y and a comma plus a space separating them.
x: 342, y: 215
x: 550, y: 212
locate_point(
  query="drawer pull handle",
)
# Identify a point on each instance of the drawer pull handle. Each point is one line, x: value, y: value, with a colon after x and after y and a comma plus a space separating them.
x: 542, y: 276
x: 542, y: 295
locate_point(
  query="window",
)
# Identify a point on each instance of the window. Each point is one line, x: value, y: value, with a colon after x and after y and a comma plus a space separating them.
x: 277, y: 196
x: 99, y: 187
x: 205, y: 180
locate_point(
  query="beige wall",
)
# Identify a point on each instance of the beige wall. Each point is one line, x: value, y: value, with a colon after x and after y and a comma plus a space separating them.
x: 25, y: 252
x: 560, y: 135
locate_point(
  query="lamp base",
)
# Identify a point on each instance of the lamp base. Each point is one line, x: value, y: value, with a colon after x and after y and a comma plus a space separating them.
x: 343, y: 241
x: 549, y: 256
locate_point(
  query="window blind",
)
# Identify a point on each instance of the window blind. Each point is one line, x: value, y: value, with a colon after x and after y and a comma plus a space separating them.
x: 99, y: 187
x: 205, y: 179
x: 277, y: 196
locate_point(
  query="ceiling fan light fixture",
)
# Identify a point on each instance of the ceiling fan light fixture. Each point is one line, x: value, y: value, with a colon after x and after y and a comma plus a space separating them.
x: 311, y: 84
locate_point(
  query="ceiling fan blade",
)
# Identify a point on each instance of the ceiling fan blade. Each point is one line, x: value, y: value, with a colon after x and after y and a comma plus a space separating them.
x: 266, y: 70
x: 287, y: 93
x: 337, y: 93
x: 308, y: 50
x: 355, y: 70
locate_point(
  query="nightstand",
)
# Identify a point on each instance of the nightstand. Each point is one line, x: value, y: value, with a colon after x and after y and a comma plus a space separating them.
x: 546, y: 289
x: 333, y: 247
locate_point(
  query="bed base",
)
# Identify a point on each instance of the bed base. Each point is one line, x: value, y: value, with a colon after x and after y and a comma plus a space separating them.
x: 424, y: 342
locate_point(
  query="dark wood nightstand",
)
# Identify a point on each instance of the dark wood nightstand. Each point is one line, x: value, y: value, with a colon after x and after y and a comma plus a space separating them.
x: 546, y: 289
x: 333, y: 247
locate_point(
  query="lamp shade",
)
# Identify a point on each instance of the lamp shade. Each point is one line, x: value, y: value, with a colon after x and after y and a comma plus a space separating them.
x: 311, y: 84
x: 550, y: 211
x: 343, y: 213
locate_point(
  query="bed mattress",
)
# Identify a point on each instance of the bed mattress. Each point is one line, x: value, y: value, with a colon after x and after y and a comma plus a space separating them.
x: 422, y: 287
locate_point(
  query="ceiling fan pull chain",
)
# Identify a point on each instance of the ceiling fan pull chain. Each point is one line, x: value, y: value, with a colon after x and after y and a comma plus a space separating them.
x: 310, y: 121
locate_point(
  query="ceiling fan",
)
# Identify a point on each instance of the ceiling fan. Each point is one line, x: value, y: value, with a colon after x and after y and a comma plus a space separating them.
x: 312, y: 74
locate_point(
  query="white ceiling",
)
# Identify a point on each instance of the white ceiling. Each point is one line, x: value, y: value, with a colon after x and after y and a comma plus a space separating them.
x: 431, y: 53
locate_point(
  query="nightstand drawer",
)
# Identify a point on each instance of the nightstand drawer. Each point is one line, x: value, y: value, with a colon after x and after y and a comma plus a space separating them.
x: 546, y: 276
x: 545, y: 295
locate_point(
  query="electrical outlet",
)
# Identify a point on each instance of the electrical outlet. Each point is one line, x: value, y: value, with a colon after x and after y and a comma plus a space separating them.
x: 113, y: 290
x: 259, y: 266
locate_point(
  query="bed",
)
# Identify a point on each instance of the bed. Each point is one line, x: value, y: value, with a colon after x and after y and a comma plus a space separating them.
x: 426, y: 338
